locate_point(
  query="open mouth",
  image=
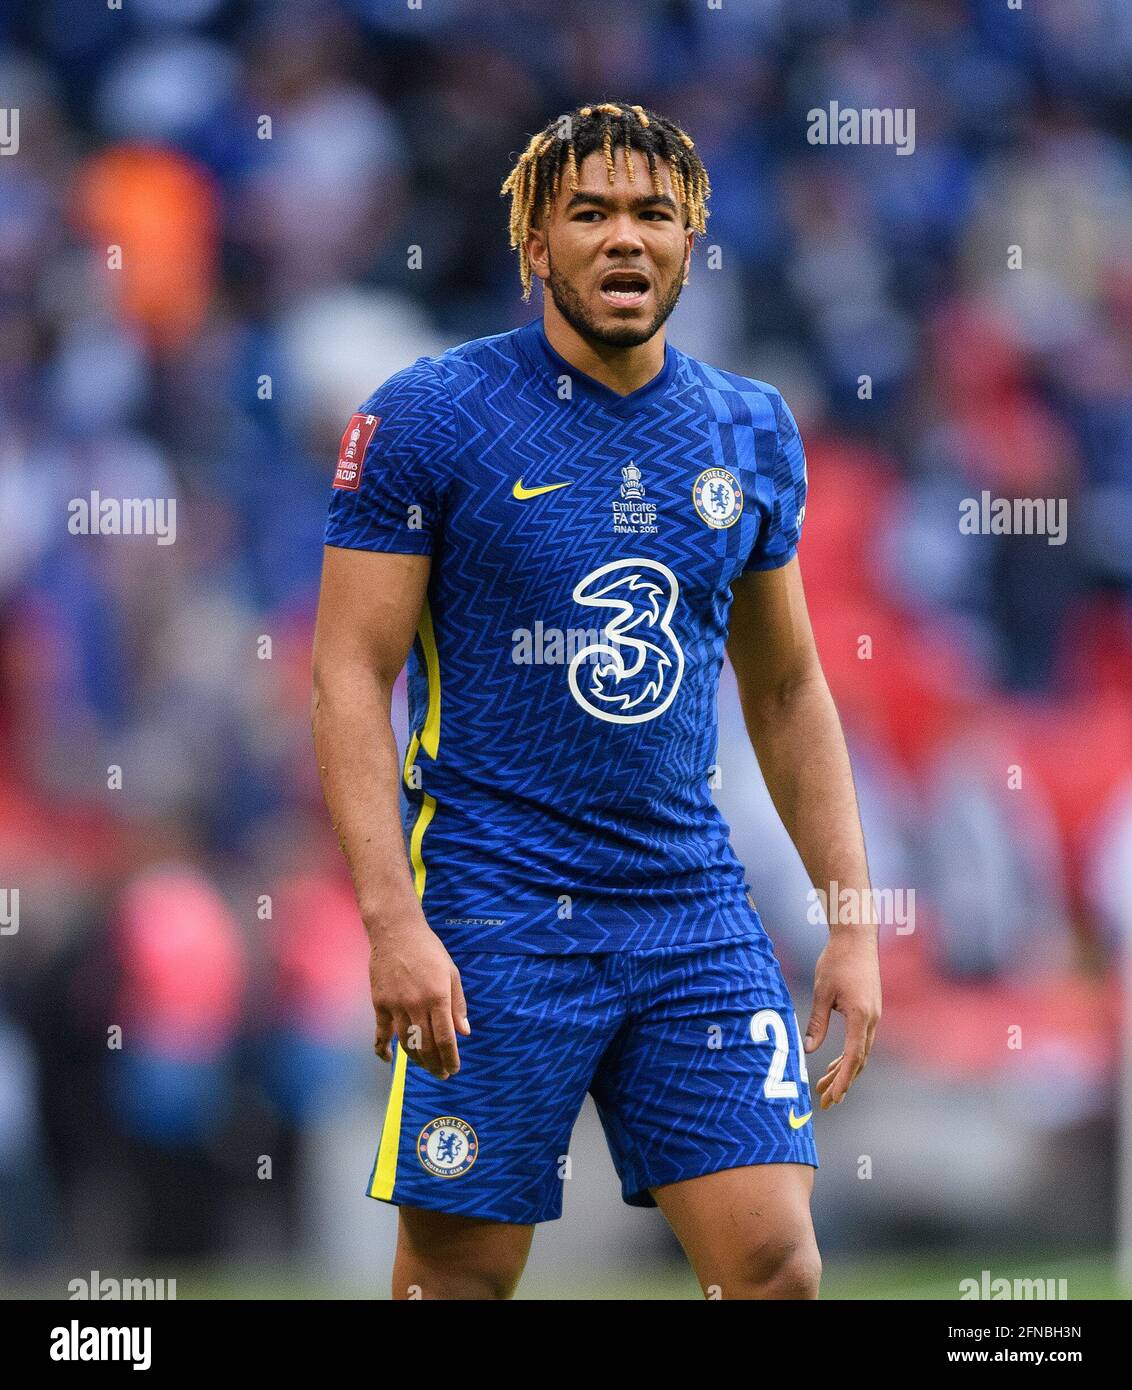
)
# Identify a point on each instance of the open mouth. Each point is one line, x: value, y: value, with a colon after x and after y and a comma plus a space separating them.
x: 625, y: 288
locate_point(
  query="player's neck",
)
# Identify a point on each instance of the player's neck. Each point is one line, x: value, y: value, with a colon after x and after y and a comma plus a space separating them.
x: 622, y: 369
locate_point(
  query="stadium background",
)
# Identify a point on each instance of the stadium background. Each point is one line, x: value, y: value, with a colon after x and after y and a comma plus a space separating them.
x: 267, y: 286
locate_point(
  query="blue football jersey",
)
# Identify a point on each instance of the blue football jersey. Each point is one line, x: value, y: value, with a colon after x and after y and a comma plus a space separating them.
x: 564, y: 677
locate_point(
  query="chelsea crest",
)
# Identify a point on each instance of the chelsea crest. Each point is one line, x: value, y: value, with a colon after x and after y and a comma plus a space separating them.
x: 718, y: 498
x: 447, y: 1146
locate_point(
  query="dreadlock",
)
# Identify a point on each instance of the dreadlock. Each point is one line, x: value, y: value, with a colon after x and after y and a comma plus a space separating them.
x: 565, y: 142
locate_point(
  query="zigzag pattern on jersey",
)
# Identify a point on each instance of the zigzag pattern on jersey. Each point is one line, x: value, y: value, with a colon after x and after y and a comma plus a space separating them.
x: 535, y: 798
x: 683, y: 841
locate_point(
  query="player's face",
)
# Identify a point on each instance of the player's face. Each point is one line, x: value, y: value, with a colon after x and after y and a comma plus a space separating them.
x: 614, y: 256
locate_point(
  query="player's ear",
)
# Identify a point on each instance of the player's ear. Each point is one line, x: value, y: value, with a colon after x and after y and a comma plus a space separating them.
x: 537, y: 251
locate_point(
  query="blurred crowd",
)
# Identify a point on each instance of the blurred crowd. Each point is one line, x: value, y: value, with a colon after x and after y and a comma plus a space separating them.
x: 944, y: 324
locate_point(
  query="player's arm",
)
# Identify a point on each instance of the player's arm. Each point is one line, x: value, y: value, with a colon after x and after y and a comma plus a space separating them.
x: 368, y: 609
x: 797, y: 738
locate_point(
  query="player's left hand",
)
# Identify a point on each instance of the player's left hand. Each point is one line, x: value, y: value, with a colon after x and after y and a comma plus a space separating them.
x: 846, y: 978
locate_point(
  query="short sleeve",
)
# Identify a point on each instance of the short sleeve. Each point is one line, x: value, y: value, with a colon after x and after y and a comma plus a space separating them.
x: 778, y: 537
x: 393, y: 462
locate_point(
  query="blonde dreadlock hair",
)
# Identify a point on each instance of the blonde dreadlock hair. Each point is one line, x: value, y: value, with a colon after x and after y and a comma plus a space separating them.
x: 563, y: 144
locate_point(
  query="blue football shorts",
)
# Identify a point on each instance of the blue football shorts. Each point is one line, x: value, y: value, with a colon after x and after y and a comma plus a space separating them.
x: 692, y: 1054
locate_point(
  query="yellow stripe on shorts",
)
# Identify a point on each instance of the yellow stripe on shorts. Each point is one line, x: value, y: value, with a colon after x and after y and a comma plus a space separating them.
x: 385, y: 1170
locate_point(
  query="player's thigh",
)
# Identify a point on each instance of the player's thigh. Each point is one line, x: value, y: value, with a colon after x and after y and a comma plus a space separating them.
x: 441, y: 1255
x: 747, y: 1232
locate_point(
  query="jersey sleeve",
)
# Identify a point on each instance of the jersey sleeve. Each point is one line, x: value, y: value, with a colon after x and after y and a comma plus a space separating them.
x: 393, y: 462
x: 777, y: 541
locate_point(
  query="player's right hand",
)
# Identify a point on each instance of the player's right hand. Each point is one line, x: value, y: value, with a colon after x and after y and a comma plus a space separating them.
x: 417, y: 995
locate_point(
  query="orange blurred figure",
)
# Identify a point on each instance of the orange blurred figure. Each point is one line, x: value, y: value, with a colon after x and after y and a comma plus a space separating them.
x: 163, y: 210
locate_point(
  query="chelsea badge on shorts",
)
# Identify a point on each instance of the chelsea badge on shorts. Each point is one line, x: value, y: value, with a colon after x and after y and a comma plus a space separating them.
x: 447, y: 1146
x: 718, y: 498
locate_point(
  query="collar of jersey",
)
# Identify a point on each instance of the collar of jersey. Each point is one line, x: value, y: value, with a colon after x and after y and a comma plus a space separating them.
x: 597, y: 391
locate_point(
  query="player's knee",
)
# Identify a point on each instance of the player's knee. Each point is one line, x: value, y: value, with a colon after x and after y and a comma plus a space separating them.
x: 799, y: 1276
x: 780, y: 1269
x: 440, y: 1276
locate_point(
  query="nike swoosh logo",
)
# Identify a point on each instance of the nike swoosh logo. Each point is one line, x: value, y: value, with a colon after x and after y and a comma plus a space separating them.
x: 797, y: 1121
x: 521, y: 493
